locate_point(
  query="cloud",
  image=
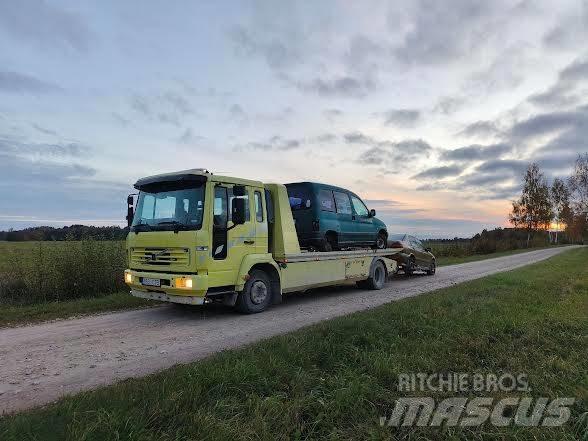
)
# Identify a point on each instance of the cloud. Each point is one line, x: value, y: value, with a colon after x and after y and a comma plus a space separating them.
x: 19, y: 148
x: 476, y: 152
x: 238, y: 115
x: 44, y: 130
x: 569, y: 30
x: 481, y: 129
x: 440, y: 34
x: 346, y: 86
x: 14, y: 82
x: 44, y: 24
x: 512, y: 166
x: 569, y: 88
x: 400, y: 117
x: 276, y: 143
x: 439, y: 172
x: 168, y: 107
x: 189, y: 137
x: 332, y: 114
x: 392, y: 155
x: 448, y: 105
x: 277, y: 53
x: 551, y: 122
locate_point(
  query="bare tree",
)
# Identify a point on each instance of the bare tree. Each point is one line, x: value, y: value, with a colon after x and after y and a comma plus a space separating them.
x: 579, y: 184
x: 533, y: 209
x: 560, y: 201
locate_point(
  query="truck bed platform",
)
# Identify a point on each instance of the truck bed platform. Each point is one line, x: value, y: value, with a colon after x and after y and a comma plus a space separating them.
x: 306, y: 256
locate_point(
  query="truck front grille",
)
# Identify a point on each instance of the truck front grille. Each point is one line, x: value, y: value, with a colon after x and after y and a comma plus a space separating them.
x: 160, y: 256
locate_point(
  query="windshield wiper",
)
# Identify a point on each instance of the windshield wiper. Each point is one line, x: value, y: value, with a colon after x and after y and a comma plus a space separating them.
x: 177, y: 225
x: 141, y: 227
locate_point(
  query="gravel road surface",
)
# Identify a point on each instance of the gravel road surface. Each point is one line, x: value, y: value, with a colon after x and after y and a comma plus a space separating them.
x: 40, y: 363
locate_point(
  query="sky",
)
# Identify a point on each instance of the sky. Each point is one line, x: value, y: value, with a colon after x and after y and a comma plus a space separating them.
x: 429, y: 110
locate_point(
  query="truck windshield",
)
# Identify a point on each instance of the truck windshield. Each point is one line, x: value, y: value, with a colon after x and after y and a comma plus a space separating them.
x: 169, y: 209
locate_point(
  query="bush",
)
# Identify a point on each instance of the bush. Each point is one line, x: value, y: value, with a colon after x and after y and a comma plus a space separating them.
x: 51, y: 271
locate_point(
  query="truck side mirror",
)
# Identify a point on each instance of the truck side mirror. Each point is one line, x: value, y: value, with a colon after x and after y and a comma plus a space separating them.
x: 372, y: 213
x: 130, y: 211
x: 238, y: 211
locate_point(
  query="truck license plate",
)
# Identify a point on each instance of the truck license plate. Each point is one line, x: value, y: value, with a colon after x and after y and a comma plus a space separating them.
x: 151, y: 282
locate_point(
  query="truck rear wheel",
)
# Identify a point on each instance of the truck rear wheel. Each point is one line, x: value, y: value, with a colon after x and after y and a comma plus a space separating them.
x: 256, y: 295
x: 377, y: 278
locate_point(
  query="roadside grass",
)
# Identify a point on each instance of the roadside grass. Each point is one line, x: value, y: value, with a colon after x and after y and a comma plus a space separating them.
x: 454, y: 260
x: 23, y: 315
x: 334, y: 380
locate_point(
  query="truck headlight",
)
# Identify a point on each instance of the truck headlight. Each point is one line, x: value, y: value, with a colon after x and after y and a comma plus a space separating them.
x: 128, y: 278
x: 184, y: 283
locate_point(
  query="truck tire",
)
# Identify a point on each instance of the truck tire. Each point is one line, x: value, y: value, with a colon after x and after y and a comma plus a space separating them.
x: 432, y: 268
x: 377, y: 278
x: 256, y: 295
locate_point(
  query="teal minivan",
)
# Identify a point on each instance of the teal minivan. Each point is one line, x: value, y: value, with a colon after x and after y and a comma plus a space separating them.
x: 329, y: 218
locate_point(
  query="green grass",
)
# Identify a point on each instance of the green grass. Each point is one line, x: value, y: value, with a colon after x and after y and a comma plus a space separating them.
x: 335, y: 379
x: 452, y: 260
x: 20, y: 315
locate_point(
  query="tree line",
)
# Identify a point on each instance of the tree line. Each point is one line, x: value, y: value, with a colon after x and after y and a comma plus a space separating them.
x: 563, y: 204
x: 73, y: 232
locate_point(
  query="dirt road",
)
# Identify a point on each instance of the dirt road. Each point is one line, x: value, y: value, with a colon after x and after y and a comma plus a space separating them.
x: 39, y: 364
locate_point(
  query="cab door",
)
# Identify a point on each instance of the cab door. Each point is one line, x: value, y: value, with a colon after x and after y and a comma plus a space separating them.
x: 230, y: 243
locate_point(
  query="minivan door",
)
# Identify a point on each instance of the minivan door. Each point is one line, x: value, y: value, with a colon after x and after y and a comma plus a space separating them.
x: 349, y: 232
x: 363, y: 220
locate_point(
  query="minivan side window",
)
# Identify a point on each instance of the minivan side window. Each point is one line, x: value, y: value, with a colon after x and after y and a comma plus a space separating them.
x: 343, y: 203
x: 359, y: 207
x: 326, y: 200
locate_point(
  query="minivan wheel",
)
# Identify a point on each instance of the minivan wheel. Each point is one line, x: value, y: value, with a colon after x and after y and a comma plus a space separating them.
x: 381, y: 241
x: 329, y: 243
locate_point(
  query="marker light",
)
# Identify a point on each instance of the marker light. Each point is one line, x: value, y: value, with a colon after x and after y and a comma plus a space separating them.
x: 128, y: 278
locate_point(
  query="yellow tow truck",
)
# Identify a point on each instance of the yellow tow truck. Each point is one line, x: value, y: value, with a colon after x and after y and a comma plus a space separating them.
x: 196, y: 238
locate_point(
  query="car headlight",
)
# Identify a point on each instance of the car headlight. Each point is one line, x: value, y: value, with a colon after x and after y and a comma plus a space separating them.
x: 184, y: 283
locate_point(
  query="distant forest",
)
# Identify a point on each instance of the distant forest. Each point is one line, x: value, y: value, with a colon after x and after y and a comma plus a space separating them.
x: 73, y: 232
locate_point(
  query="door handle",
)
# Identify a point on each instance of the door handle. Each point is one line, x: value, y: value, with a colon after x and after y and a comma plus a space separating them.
x: 249, y: 242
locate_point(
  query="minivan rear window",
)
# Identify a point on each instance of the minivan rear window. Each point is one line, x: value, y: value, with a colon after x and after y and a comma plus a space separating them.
x: 299, y: 198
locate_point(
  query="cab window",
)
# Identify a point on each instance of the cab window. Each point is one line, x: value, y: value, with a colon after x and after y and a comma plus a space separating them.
x: 246, y: 197
x: 342, y: 202
x: 258, y: 207
x: 359, y: 207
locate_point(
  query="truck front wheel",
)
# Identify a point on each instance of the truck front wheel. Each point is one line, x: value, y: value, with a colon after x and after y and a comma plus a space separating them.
x: 256, y: 295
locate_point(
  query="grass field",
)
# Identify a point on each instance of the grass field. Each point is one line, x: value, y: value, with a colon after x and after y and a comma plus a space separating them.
x: 22, y: 258
x: 336, y: 379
